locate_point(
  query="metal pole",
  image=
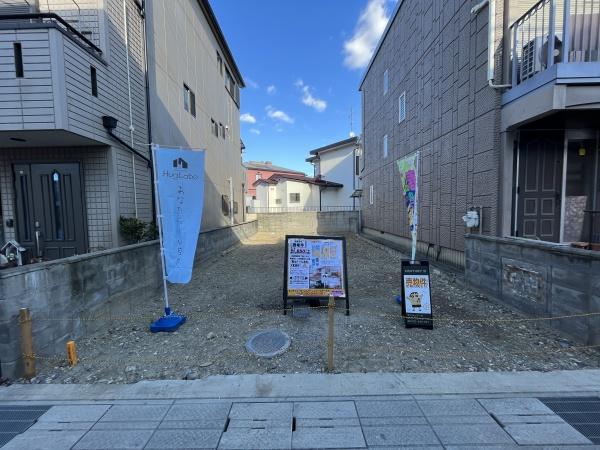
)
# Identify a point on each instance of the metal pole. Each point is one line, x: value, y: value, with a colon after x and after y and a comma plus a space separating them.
x: 160, y: 232
x: 27, y: 343
x: 415, y: 212
x: 330, y: 310
x: 566, y: 40
x: 231, y: 213
x: 551, y: 33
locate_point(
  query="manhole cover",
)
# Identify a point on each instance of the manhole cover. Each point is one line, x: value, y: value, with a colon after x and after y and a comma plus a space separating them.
x: 268, y: 344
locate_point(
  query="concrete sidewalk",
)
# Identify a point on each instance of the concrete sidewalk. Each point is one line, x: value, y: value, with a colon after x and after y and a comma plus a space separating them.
x: 468, y: 410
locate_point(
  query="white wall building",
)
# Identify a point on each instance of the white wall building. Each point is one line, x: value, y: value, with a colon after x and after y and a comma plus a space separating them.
x: 339, y: 163
x: 286, y: 192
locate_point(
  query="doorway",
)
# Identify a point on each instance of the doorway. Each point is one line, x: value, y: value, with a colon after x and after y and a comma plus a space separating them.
x: 539, y: 188
x: 50, y: 213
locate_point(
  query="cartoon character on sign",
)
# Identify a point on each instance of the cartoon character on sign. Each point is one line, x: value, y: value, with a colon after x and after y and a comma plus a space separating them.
x: 415, y: 299
x: 408, y: 174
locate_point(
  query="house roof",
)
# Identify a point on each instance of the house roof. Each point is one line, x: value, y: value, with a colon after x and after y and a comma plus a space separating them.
x: 262, y: 165
x: 216, y: 29
x: 383, y: 36
x: 276, y: 177
x: 335, y: 145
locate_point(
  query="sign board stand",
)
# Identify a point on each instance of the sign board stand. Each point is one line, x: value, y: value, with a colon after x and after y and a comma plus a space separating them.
x: 416, y: 295
x: 315, y: 269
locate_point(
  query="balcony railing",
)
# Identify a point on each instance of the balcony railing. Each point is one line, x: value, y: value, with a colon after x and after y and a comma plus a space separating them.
x: 36, y: 19
x: 554, y: 31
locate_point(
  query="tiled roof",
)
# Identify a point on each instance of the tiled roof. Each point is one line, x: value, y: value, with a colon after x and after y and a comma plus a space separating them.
x: 275, y: 178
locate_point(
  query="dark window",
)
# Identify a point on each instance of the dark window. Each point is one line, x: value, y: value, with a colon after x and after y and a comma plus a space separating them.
x: 225, y: 205
x: 357, y: 164
x: 189, y: 100
x: 220, y: 63
x: 214, y: 127
x: 94, y: 81
x: 193, y: 103
x: 222, y: 128
x: 294, y: 198
x: 18, y: 60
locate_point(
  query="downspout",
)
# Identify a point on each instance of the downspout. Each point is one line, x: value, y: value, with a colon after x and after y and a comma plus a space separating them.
x: 131, y: 128
x: 491, y: 41
x: 142, y: 12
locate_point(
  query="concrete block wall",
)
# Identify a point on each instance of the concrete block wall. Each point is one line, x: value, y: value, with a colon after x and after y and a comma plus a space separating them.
x: 336, y: 222
x: 541, y: 279
x: 110, y: 282
x: 107, y: 283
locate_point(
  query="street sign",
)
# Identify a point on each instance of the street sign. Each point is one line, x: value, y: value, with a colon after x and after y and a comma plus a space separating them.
x: 416, y: 294
x: 315, y: 268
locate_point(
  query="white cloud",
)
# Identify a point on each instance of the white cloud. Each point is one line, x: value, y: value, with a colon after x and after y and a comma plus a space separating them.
x: 308, y: 99
x: 277, y: 114
x: 248, y: 118
x: 369, y: 28
x: 251, y: 83
x: 271, y: 90
x: 254, y: 130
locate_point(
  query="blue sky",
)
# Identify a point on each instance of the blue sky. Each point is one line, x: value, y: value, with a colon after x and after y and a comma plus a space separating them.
x: 302, y: 62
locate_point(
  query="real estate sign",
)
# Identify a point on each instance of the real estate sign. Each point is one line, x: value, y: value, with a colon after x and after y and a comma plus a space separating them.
x: 315, y: 267
x: 416, y: 294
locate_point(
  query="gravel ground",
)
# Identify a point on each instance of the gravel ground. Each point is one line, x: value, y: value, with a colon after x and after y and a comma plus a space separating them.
x: 239, y: 294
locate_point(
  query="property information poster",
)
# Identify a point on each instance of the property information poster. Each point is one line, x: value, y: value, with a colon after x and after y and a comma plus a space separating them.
x: 416, y: 294
x: 315, y: 267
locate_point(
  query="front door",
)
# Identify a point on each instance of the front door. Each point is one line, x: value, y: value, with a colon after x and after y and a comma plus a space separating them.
x: 50, y: 214
x: 540, y: 185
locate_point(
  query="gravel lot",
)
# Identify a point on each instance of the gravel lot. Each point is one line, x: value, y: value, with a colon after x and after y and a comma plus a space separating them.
x: 239, y: 294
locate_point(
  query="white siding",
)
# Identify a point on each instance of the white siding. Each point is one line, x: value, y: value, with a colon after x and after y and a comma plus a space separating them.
x: 338, y: 166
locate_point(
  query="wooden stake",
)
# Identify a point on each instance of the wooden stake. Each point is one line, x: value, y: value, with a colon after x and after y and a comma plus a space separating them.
x: 72, y: 353
x: 27, y: 343
x: 330, y: 310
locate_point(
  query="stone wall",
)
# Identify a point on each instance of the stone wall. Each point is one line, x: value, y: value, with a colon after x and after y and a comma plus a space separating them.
x: 336, y: 222
x: 105, y: 283
x: 539, y: 278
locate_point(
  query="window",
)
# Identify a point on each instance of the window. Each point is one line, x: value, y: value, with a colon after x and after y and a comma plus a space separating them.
x: 385, y: 146
x: 371, y: 195
x: 402, y: 107
x: 220, y: 62
x: 294, y: 197
x: 18, y: 59
x: 258, y: 175
x: 222, y: 128
x: 189, y: 100
x: 214, y: 127
x: 278, y: 201
x: 94, y: 81
x: 193, y: 103
x: 357, y: 164
x: 386, y: 82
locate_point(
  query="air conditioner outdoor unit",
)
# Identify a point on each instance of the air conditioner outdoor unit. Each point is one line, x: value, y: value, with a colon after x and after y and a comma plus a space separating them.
x: 531, y: 63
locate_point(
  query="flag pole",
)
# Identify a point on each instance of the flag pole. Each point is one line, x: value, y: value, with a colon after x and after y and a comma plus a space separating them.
x: 160, y: 233
x: 416, y: 211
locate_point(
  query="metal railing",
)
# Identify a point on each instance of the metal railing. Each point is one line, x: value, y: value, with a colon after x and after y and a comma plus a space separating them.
x: 58, y: 21
x: 287, y: 209
x: 554, y: 31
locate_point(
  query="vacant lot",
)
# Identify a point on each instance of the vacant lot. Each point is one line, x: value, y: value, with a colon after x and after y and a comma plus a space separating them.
x: 239, y: 294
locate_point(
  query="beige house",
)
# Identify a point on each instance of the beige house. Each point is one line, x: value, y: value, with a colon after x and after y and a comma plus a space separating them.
x: 85, y: 87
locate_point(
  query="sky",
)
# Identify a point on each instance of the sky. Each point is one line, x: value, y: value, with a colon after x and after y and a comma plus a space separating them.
x: 302, y: 62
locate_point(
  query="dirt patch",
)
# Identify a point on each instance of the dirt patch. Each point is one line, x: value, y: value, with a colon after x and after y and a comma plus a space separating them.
x: 233, y: 297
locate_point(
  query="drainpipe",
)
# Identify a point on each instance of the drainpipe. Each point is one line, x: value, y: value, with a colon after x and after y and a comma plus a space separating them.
x: 142, y: 11
x: 131, y: 128
x: 491, y: 40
